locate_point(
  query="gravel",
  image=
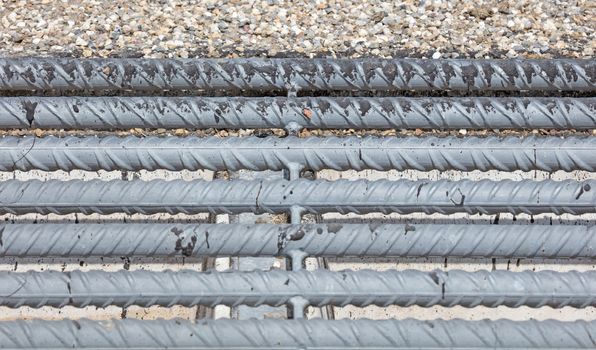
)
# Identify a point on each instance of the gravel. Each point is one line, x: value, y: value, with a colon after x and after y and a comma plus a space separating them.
x: 423, y: 28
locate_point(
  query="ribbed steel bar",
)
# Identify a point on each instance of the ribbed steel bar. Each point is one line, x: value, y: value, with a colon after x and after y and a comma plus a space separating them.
x: 106, y: 113
x: 221, y: 196
x: 327, y: 240
x: 315, y: 153
x: 316, y: 288
x: 300, y: 74
x: 297, y: 334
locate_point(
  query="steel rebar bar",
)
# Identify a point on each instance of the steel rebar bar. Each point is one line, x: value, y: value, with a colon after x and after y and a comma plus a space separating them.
x: 327, y: 240
x: 315, y: 153
x: 312, y: 196
x: 107, y: 113
x: 297, y: 334
x: 316, y: 288
x: 298, y: 74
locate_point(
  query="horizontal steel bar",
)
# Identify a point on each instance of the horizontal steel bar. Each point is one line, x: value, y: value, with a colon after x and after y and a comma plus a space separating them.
x: 222, y: 196
x: 106, y: 113
x: 300, y: 74
x: 298, y: 334
x: 315, y: 153
x: 327, y: 240
x: 317, y: 288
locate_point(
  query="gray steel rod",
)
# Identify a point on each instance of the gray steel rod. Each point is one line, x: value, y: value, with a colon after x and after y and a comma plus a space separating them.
x: 327, y: 240
x: 295, y: 74
x: 316, y: 288
x: 297, y: 334
x: 280, y: 196
x: 315, y: 153
x: 106, y: 113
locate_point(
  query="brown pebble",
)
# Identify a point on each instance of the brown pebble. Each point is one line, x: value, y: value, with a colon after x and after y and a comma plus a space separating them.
x: 307, y: 113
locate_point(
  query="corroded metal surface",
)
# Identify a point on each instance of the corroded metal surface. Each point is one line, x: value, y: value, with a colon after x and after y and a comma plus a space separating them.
x: 298, y: 334
x: 401, y: 196
x: 295, y: 74
x: 328, y: 240
x: 315, y: 153
x: 118, y: 112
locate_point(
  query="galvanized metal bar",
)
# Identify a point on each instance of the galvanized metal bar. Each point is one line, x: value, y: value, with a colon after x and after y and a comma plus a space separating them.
x: 108, y: 113
x: 326, y: 240
x: 314, y: 196
x: 295, y: 74
x: 315, y: 153
x: 315, y: 288
x: 297, y: 334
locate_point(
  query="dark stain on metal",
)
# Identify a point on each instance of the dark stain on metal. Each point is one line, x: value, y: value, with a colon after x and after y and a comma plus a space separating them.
x: 349, y: 70
x: 298, y: 235
x: 88, y: 68
x: 130, y: 72
x: 1, y: 233
x: 191, y: 71
x: 334, y: 228
x: 406, y: 106
x: 488, y: 71
x: 70, y: 68
x: 29, y: 75
x: 461, y: 201
x: 49, y: 70
x: 469, y: 73
x: 188, y: 249
x: 449, y: 71
x: 582, y: 190
x: 126, y: 265
x: 419, y: 189
x: 430, y: 71
x: 324, y: 106
x: 8, y: 72
x: 389, y: 71
x: 433, y: 275
x: 408, y: 73
x: 409, y: 228
x: 29, y: 108
x: 370, y: 70
x: 510, y: 71
x: 373, y: 226
x: 364, y: 107
x: 206, y: 239
x: 190, y: 246
x: 345, y: 103
x: 387, y: 106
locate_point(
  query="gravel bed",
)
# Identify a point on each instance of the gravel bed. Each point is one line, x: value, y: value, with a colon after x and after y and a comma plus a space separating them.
x: 230, y: 28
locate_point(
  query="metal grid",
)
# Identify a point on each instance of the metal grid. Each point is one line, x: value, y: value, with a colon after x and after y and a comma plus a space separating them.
x: 295, y: 239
